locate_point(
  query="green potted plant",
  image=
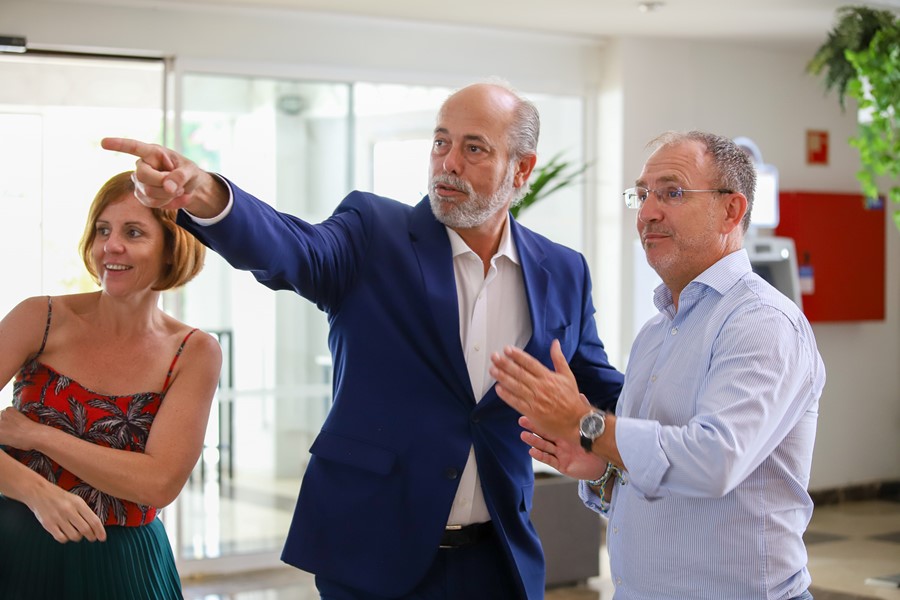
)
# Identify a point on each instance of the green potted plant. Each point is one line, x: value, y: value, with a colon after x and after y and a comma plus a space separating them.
x: 861, y: 59
x: 546, y: 179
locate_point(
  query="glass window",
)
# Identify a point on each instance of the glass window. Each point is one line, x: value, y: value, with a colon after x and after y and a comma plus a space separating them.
x: 393, y: 164
x: 288, y: 143
x: 55, y: 110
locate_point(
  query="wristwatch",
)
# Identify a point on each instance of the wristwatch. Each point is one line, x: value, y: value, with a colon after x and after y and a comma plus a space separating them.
x: 591, y: 427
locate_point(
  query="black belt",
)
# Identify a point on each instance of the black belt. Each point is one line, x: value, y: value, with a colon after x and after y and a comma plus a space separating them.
x: 463, y: 535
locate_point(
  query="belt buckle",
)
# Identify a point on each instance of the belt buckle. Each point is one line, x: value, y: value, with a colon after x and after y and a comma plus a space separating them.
x: 450, y: 528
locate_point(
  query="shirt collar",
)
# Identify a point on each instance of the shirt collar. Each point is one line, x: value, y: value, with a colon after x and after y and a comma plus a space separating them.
x: 721, y: 276
x: 726, y: 272
x: 506, y: 248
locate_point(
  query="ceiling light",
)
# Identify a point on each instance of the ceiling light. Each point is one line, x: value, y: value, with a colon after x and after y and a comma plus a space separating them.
x: 651, y: 6
x: 12, y: 43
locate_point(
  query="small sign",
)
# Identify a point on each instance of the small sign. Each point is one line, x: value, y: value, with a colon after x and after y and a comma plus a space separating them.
x: 876, y: 203
x: 816, y: 147
x: 807, y: 280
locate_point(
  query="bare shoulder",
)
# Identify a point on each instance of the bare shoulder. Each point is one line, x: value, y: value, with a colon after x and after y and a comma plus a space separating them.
x: 200, y: 344
x: 27, y: 320
x: 22, y: 331
x: 31, y: 309
x: 200, y: 363
x: 206, y: 343
x: 69, y: 305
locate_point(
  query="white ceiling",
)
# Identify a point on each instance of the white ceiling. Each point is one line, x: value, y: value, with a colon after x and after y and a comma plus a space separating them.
x: 779, y: 21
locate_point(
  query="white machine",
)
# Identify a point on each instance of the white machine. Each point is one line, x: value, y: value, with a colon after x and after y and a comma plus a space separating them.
x: 775, y: 260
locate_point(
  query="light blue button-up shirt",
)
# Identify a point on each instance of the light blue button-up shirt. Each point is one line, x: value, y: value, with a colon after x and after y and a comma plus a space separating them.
x: 716, y: 425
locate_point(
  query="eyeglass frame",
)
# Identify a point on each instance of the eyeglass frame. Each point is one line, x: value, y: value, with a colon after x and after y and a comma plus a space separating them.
x: 665, y: 201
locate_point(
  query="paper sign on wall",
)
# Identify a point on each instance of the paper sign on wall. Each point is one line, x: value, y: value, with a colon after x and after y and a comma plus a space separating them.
x: 816, y: 147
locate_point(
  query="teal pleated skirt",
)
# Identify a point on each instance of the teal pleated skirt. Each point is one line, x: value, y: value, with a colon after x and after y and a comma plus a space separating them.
x: 134, y: 563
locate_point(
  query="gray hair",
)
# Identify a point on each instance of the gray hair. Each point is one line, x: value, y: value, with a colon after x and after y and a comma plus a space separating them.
x: 523, y: 139
x: 734, y: 168
x: 523, y: 135
x: 526, y: 128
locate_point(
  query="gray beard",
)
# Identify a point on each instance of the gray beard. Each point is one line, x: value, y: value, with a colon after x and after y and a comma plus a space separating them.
x: 475, y: 209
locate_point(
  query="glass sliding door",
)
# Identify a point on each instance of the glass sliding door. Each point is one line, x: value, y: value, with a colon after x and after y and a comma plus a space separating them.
x: 54, y: 109
x: 288, y: 143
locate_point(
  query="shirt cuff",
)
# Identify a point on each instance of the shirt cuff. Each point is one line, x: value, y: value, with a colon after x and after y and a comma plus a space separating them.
x: 213, y: 220
x: 638, y: 443
x: 590, y: 499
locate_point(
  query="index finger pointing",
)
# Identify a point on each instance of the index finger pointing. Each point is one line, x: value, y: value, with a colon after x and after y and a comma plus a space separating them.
x: 152, y: 154
x: 126, y: 145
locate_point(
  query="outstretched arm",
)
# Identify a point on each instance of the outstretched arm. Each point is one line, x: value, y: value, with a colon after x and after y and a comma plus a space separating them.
x: 165, y: 178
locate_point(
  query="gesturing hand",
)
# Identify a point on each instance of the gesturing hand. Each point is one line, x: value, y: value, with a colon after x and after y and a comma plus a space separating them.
x: 564, y: 456
x: 550, y: 399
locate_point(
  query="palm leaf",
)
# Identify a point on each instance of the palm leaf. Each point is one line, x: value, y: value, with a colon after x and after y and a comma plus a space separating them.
x: 855, y: 28
x: 553, y: 176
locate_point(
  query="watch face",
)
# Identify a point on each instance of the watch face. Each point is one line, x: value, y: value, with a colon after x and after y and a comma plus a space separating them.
x: 592, y: 425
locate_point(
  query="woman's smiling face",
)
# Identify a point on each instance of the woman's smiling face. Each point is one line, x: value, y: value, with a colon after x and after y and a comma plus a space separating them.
x: 129, y: 247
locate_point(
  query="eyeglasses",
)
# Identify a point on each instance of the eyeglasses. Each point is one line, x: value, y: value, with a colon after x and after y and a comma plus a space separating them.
x: 670, y: 196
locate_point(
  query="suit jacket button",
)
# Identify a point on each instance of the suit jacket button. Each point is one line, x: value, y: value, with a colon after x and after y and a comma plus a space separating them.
x: 451, y: 473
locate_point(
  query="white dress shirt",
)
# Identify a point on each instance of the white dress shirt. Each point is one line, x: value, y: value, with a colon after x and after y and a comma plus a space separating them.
x: 493, y: 313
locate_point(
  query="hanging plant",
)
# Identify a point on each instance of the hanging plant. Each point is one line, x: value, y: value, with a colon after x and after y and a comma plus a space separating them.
x: 553, y: 176
x: 877, y: 90
x: 855, y: 28
x: 861, y: 57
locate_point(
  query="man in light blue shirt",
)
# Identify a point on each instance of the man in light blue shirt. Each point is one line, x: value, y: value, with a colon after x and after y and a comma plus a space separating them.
x: 703, y: 470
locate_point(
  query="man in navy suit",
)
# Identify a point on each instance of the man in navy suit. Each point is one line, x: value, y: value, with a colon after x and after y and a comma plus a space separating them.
x: 418, y: 486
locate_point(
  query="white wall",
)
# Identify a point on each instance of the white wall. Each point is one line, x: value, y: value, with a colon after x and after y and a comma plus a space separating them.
x: 640, y: 88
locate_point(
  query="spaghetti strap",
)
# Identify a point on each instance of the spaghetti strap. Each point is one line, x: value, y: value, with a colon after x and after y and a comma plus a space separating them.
x: 175, y: 360
x: 47, y: 328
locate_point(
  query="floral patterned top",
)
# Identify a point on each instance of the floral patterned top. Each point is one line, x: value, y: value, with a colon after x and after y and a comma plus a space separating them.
x: 121, y: 422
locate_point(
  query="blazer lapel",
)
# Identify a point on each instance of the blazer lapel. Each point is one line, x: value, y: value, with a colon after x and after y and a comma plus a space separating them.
x: 537, y: 280
x: 429, y: 240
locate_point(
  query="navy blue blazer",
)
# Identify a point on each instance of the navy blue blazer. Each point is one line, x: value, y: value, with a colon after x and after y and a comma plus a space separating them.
x: 385, y: 467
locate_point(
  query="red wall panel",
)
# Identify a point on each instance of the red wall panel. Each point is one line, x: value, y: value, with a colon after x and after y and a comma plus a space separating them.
x: 840, y: 250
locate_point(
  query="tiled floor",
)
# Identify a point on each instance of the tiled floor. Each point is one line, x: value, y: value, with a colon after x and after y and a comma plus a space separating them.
x: 849, y: 544
x: 852, y: 543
